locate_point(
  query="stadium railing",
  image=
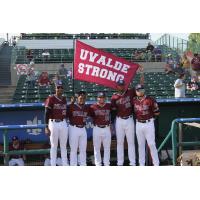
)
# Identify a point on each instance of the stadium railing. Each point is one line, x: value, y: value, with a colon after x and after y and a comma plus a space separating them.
x: 173, y: 136
x: 174, y: 43
x: 32, y: 36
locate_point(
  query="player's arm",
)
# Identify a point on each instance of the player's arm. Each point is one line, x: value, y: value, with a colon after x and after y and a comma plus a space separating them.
x: 48, y: 110
x: 46, y: 120
x: 156, y: 110
x: 73, y: 99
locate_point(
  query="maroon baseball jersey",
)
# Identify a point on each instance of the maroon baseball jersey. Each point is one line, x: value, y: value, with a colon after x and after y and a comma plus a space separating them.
x: 100, y: 114
x: 78, y: 114
x: 195, y: 63
x: 144, y: 109
x: 14, y: 148
x: 122, y: 102
x: 57, y: 106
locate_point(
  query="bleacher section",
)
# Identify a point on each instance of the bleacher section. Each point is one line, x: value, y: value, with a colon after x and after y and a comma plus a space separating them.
x: 67, y: 55
x: 41, y: 36
x: 61, y: 46
x: 157, y: 84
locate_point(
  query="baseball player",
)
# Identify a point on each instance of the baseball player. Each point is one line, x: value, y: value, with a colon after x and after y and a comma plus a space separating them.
x: 121, y: 102
x: 57, y: 129
x: 78, y: 113
x: 100, y: 113
x: 145, y: 108
x: 47, y: 161
x: 16, y: 159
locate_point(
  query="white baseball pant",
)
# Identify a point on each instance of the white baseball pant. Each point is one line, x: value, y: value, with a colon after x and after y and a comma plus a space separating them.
x: 59, y: 132
x: 125, y: 127
x: 47, y: 162
x: 101, y: 135
x: 77, y: 140
x: 146, y: 131
x: 16, y: 161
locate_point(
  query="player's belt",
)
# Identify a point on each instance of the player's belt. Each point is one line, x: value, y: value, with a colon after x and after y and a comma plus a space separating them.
x: 79, y: 126
x: 144, y: 121
x: 102, y: 126
x: 57, y: 120
x: 127, y: 117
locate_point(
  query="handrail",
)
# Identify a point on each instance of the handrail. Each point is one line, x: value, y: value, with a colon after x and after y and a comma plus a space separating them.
x: 172, y: 133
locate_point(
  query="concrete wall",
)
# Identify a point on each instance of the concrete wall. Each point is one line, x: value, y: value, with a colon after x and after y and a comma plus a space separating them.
x: 53, y: 68
x: 97, y: 43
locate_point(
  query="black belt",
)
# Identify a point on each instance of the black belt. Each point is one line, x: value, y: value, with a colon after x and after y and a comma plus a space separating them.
x: 57, y: 120
x: 79, y: 126
x: 144, y: 121
x: 102, y: 126
x: 126, y: 117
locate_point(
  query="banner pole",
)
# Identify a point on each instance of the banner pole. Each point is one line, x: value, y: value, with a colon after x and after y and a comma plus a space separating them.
x: 73, y: 81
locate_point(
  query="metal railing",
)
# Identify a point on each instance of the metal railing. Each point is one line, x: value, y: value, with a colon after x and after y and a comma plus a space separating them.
x: 173, y: 135
x: 6, y: 151
x: 178, y: 44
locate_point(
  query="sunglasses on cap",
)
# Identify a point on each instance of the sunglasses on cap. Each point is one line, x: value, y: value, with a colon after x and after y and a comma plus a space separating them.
x: 59, y: 87
x: 140, y: 90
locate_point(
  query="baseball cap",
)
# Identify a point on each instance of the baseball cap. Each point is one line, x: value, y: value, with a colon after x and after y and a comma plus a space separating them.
x: 14, y: 138
x: 101, y: 94
x: 59, y: 84
x: 139, y: 87
x: 121, y: 82
x: 81, y: 93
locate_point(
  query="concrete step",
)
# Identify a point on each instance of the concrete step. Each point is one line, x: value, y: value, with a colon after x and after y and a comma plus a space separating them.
x: 7, y: 91
x: 6, y: 94
x: 5, y: 101
x: 5, y: 97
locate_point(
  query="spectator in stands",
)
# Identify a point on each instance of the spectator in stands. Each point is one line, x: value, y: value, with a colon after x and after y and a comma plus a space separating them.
x: 149, y: 51
x: 170, y: 64
x: 45, y: 55
x: 29, y: 55
x: 185, y: 63
x: 193, y: 84
x: 14, y: 42
x: 62, y: 71
x: 138, y: 55
x: 179, y: 86
x: 16, y: 159
x: 178, y: 69
x: 157, y: 54
x: 56, y: 79
x: 44, y: 79
x: 69, y: 74
x: 32, y: 62
x: 195, y: 62
x: 31, y: 78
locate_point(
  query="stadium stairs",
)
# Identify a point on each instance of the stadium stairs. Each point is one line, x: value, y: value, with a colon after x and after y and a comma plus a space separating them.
x: 5, y: 61
x: 6, y: 90
x: 6, y: 94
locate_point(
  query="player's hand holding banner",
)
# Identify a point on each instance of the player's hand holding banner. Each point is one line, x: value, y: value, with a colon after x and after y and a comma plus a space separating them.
x: 93, y: 65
